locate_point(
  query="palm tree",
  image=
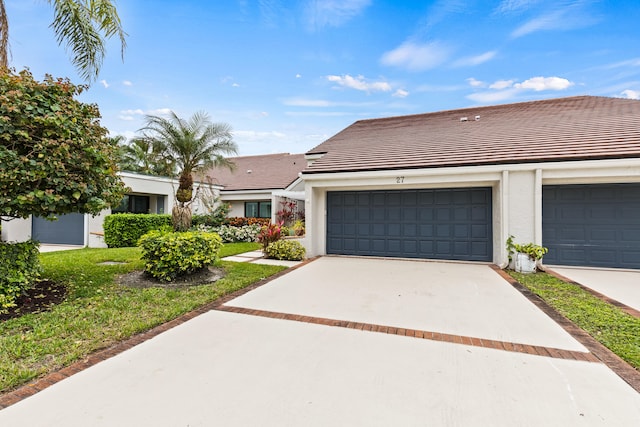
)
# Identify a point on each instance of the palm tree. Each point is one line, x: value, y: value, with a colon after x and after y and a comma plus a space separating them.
x: 81, y: 25
x: 196, y: 145
x: 141, y: 156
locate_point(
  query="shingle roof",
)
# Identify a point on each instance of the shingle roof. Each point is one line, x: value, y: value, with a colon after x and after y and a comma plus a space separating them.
x: 575, y: 128
x: 266, y: 172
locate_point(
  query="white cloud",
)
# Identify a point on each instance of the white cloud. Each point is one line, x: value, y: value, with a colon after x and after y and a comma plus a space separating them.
x: 359, y: 83
x: 512, y: 6
x: 127, y: 83
x: 544, y: 83
x: 298, y: 76
x: 400, y: 93
x: 631, y: 94
x: 104, y: 83
x: 491, y: 97
x: 471, y: 61
x: 503, y: 90
x: 235, y: 85
x: 501, y: 84
x: 416, y: 57
x: 333, y: 13
x: 301, y: 102
x: 133, y: 112
x: 129, y: 115
x: 475, y: 83
x: 628, y: 63
x: 159, y: 112
x: 567, y: 16
x: 322, y: 103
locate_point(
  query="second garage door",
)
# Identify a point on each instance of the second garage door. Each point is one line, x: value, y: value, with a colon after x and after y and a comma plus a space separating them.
x: 431, y: 223
x: 594, y: 225
x: 66, y: 230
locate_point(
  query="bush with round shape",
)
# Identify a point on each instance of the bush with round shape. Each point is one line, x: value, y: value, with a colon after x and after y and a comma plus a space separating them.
x: 290, y: 250
x: 169, y: 255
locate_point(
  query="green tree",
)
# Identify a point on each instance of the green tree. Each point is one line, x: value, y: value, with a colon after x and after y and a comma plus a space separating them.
x: 82, y: 26
x: 142, y: 156
x: 196, y: 145
x: 55, y: 157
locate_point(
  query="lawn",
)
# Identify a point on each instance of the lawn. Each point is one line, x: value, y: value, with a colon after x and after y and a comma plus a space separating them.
x: 97, y: 312
x: 615, y: 329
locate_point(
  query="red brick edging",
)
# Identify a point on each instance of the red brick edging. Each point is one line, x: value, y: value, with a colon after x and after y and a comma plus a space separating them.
x: 14, y: 396
x: 609, y: 358
x: 414, y: 333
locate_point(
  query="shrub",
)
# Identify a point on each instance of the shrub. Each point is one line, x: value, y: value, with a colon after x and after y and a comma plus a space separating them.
x: 124, y: 229
x: 19, y: 269
x: 269, y: 234
x: 240, y: 221
x: 291, y: 250
x: 169, y: 255
x: 229, y: 234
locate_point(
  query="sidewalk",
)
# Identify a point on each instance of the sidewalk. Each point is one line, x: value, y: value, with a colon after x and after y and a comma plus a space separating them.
x: 257, y: 257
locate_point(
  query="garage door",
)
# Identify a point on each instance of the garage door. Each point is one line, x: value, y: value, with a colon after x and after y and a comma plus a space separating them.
x: 66, y: 230
x: 435, y: 223
x: 592, y: 225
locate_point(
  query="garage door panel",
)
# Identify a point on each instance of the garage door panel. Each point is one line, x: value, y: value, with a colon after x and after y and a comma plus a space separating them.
x: 441, y: 223
x: 426, y: 230
x: 592, y: 225
x: 409, y: 230
x: 480, y: 213
x: 68, y: 229
x: 480, y: 232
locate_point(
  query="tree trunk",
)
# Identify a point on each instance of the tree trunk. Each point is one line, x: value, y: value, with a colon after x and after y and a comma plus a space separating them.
x: 181, y: 218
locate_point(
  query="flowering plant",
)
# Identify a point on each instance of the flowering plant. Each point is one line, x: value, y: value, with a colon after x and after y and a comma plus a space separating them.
x: 269, y: 234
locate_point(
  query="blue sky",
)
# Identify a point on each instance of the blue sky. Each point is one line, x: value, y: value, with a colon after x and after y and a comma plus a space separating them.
x: 286, y: 75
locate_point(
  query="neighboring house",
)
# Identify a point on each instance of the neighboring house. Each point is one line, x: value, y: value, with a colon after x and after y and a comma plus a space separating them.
x: 454, y: 185
x: 257, y: 185
x: 149, y: 194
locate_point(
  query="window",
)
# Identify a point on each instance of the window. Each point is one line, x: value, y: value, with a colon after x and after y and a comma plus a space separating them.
x: 133, y: 204
x: 159, y: 204
x: 257, y: 209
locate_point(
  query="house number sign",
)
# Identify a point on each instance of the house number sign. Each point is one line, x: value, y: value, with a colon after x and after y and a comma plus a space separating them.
x: 399, y: 179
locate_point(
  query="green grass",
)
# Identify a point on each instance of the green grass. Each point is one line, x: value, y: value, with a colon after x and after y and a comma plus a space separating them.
x: 615, y: 329
x: 97, y: 313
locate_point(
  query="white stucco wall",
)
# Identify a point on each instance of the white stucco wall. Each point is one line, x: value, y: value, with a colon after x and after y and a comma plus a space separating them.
x: 16, y: 230
x: 517, y: 193
x: 152, y: 186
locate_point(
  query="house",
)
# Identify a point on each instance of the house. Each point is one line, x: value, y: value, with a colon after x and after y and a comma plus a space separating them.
x: 148, y: 194
x: 454, y: 185
x: 258, y: 185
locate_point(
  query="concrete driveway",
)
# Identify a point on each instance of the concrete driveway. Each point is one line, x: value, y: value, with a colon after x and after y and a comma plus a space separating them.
x: 341, y: 341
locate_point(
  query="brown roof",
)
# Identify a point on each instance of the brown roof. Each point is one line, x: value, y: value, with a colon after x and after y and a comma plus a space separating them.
x: 575, y: 128
x: 266, y: 172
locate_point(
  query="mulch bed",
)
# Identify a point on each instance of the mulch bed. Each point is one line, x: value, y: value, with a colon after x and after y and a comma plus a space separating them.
x: 41, y: 297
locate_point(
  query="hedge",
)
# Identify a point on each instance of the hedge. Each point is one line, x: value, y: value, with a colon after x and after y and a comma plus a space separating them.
x: 125, y: 229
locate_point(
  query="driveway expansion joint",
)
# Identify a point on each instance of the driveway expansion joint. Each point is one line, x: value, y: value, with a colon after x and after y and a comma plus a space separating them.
x: 420, y: 334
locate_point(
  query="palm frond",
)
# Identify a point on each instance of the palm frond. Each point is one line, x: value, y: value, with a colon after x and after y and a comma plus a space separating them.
x: 82, y: 25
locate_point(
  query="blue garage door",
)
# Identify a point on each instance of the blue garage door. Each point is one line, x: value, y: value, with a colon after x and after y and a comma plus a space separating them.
x: 592, y: 225
x: 438, y: 224
x: 66, y: 230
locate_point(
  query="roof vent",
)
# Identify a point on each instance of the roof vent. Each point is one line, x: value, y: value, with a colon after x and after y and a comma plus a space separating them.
x: 249, y: 171
x: 464, y: 119
x: 477, y: 118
